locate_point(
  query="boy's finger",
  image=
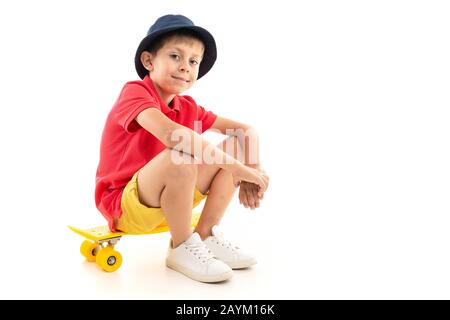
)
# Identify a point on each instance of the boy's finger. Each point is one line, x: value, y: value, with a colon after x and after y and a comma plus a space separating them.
x: 250, y: 199
x: 255, y: 196
x: 244, y: 199
x: 254, y: 192
x: 266, y: 181
x: 241, y: 195
x: 261, y: 186
x: 260, y: 193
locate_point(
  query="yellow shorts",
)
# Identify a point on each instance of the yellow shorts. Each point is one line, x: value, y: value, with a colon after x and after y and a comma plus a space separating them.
x: 139, y: 219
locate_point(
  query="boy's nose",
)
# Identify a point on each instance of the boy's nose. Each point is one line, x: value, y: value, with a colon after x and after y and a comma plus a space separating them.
x: 184, y: 66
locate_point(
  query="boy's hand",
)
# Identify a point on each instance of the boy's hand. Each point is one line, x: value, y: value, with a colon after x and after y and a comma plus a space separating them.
x: 250, y: 194
x: 242, y: 173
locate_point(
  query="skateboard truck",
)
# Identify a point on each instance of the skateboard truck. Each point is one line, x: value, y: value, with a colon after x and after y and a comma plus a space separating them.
x: 99, y: 247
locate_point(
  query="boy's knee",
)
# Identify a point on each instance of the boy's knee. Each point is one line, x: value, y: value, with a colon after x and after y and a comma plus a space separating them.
x: 182, y: 172
x: 181, y: 166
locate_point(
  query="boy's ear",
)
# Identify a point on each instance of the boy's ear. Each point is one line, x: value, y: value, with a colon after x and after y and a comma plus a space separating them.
x: 146, y: 60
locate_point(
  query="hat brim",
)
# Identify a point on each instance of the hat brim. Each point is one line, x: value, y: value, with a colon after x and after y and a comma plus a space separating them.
x: 209, y: 55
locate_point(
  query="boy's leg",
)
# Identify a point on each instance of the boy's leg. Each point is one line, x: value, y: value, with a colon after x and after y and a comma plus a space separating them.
x: 166, y: 184
x: 221, y: 190
x: 219, y: 183
x: 162, y: 183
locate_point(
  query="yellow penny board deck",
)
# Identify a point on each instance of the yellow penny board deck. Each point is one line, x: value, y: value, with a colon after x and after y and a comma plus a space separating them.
x: 103, y: 232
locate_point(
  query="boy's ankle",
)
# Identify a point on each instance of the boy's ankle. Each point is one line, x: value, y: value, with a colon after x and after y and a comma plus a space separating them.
x: 203, y: 233
x: 174, y: 244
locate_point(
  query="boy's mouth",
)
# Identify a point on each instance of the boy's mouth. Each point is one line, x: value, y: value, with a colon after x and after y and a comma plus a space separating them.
x: 181, y: 79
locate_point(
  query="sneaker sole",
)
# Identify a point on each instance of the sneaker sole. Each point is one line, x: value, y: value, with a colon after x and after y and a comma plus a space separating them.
x: 241, y: 264
x: 208, y: 278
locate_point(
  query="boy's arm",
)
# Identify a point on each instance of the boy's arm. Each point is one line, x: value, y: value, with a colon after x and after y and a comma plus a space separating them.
x: 164, y: 129
x: 249, y: 193
x: 247, y: 136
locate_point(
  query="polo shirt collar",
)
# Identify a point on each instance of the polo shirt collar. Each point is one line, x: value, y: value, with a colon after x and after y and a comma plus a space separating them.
x: 164, y: 108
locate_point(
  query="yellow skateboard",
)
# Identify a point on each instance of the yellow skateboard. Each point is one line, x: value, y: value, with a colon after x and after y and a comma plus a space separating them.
x: 100, y: 246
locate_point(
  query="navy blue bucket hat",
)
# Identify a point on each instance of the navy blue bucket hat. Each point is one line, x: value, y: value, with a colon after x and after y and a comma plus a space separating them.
x: 169, y: 23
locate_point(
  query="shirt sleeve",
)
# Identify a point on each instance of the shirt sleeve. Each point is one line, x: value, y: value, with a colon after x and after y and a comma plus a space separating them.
x: 133, y: 99
x: 207, y: 118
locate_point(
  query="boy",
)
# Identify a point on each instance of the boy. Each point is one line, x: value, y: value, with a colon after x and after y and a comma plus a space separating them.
x: 146, y: 177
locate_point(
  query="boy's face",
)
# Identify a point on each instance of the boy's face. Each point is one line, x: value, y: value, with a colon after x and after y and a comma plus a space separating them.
x: 174, y: 68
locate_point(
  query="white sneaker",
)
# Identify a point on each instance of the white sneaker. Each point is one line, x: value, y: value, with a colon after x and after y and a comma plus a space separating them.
x: 222, y: 249
x: 193, y: 259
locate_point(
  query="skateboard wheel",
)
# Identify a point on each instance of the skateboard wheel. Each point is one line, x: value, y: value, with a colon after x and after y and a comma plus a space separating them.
x: 109, y: 259
x: 87, y: 249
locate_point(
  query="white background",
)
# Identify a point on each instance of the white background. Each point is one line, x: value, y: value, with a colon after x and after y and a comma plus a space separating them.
x: 351, y: 100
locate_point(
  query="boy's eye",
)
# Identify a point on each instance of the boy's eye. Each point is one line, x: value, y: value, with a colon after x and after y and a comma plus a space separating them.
x: 175, y: 56
x: 194, y: 62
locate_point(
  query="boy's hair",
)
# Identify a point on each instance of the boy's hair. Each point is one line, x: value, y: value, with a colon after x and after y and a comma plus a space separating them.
x: 162, y: 39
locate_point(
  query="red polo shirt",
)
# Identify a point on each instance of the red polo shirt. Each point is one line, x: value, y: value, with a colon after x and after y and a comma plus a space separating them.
x: 126, y: 147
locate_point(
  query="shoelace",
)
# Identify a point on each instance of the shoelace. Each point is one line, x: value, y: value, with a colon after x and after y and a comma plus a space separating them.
x: 201, y: 251
x: 225, y: 243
